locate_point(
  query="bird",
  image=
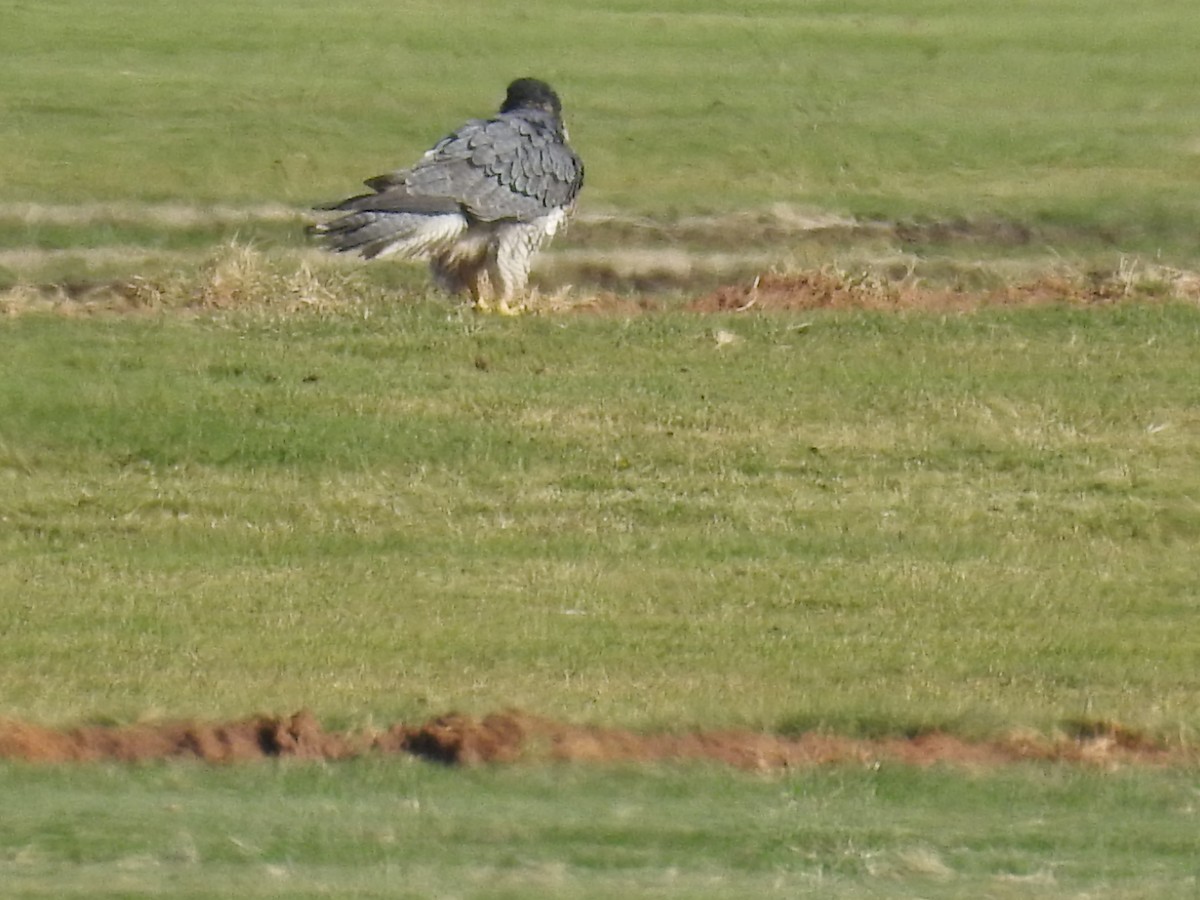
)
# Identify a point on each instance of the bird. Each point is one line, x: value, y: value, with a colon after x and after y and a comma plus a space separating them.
x: 477, y: 206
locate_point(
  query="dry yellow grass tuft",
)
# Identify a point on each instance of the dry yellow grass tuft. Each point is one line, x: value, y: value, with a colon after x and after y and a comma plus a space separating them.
x: 239, y: 275
x: 232, y: 276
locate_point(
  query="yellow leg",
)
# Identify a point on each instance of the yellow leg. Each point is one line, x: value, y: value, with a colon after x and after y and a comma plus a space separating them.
x: 481, y: 290
x: 505, y: 309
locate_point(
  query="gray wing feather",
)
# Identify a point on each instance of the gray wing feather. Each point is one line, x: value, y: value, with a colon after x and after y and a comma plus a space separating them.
x: 398, y: 199
x: 514, y: 166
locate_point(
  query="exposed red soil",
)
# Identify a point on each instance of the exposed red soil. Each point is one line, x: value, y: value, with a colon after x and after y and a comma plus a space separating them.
x: 821, y: 289
x: 830, y: 289
x: 769, y: 292
x: 518, y: 737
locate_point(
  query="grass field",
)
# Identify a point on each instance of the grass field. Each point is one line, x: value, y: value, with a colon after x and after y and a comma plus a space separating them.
x: 874, y: 521
x: 370, y: 830
x: 1075, y: 120
x: 870, y: 523
x: 260, y: 481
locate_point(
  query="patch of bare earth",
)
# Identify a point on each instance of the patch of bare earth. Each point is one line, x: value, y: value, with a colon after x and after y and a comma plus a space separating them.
x: 239, y: 279
x: 821, y: 289
x: 517, y: 737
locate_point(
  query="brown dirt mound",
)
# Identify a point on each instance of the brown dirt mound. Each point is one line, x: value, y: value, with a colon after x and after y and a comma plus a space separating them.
x: 513, y: 736
x: 263, y: 736
x: 240, y: 280
x: 822, y: 289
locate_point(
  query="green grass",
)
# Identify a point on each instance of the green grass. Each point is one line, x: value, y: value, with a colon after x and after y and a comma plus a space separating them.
x: 413, y: 830
x: 877, y: 522
x: 332, y: 498
x: 1076, y: 117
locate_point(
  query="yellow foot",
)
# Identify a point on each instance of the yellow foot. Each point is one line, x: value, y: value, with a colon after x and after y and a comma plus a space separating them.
x: 502, y: 308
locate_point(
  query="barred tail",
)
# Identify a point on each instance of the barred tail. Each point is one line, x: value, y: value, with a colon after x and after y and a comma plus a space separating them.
x: 372, y: 233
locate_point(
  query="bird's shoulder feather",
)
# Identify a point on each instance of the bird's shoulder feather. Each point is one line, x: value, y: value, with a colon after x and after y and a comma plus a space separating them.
x: 515, y: 165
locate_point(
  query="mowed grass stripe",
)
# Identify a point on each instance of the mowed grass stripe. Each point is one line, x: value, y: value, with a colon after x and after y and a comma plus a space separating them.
x: 874, y: 523
x: 1074, y: 114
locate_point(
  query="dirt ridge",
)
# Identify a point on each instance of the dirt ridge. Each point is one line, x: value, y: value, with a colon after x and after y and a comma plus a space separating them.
x: 514, y: 736
x: 824, y: 289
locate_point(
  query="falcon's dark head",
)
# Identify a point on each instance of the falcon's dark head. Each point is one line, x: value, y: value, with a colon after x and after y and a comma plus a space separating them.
x: 530, y: 93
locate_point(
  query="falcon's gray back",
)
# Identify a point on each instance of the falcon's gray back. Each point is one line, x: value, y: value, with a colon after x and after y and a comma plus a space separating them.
x: 515, y: 166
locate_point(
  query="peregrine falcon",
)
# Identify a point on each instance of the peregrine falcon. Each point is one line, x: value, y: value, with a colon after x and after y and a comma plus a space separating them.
x: 477, y: 206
